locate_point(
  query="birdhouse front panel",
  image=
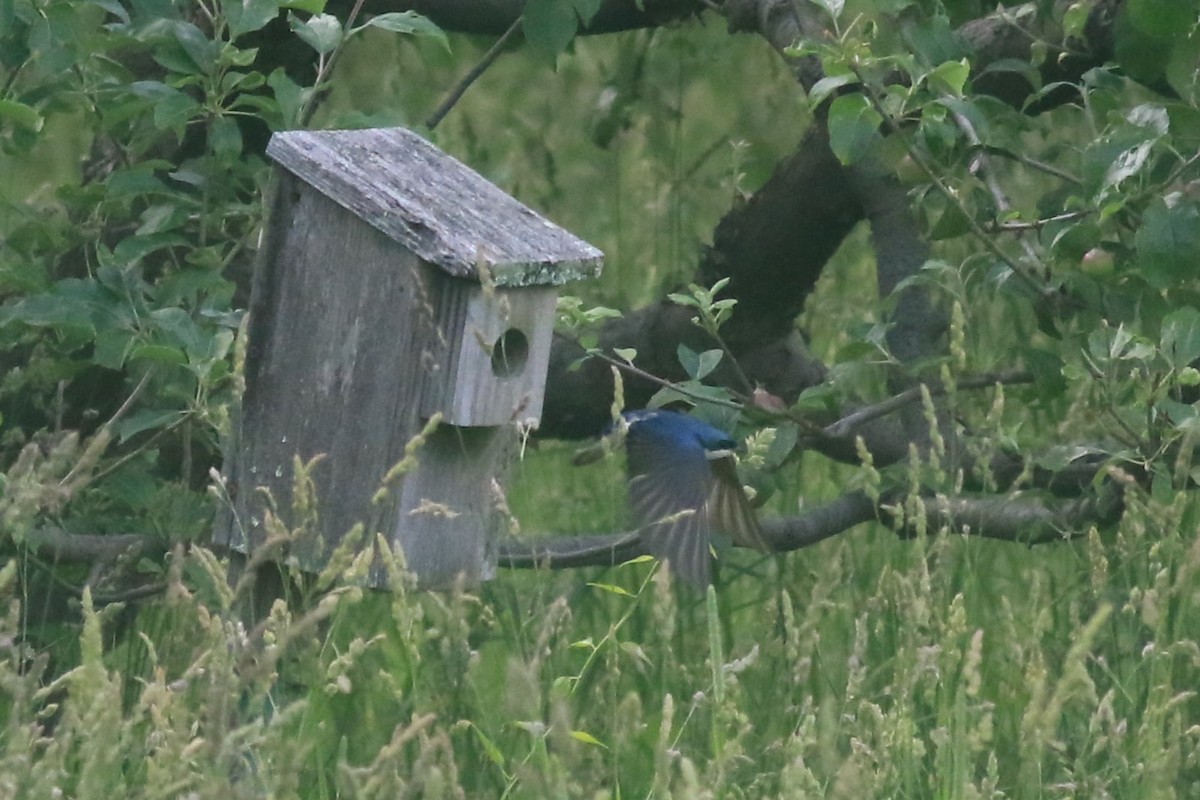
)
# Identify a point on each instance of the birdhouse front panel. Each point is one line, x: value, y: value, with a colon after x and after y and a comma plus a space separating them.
x: 497, y: 349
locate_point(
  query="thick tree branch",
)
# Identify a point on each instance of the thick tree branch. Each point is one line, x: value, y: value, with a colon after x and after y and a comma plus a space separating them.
x: 774, y: 247
x: 57, y: 545
x: 1021, y: 517
x: 1017, y: 517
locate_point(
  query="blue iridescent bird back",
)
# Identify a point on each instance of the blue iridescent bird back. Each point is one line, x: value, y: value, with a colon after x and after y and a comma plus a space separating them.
x: 683, y: 487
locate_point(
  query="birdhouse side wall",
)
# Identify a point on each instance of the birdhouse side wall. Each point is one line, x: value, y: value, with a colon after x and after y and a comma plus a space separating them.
x: 341, y: 332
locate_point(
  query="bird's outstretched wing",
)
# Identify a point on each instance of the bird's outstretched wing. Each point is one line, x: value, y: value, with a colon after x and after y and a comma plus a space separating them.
x: 669, y: 486
x: 728, y: 508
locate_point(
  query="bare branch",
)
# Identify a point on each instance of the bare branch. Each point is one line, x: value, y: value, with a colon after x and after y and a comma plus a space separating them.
x: 474, y: 74
x: 848, y: 424
x: 56, y: 544
x: 1023, y: 517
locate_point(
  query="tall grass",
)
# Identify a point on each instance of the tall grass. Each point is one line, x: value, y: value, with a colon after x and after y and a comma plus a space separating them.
x: 865, y: 667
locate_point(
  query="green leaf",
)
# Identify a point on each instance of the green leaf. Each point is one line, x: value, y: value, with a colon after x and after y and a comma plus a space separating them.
x: 307, y: 6
x: 822, y: 397
x: 612, y: 588
x: 708, y: 362
x: 133, y: 181
x: 224, y: 137
x: 158, y: 353
x: 71, y: 302
x: 1181, y: 336
x: 695, y: 394
x: 1015, y: 66
x: 145, y: 420
x: 952, y: 223
x: 935, y: 41
x: 21, y: 115
x: 321, y: 32
x: 1047, y: 369
x: 289, y: 95
x: 134, y: 248
x: 587, y: 738
x: 1152, y: 116
x: 200, y: 48
x: 698, y: 365
x: 1168, y: 243
x: 828, y: 85
x: 853, y: 127
x: 1181, y: 71
x: 782, y: 445
x: 180, y: 329
x: 111, y: 348
x: 1127, y: 164
x: 494, y: 753
x: 949, y: 77
x: 832, y: 7
x: 409, y: 22
x: 1163, y: 19
x: 175, y: 111
x: 550, y: 25
x: 1075, y: 20
x: 133, y: 487
x: 1059, y: 457
x: 249, y: 15
x: 586, y: 9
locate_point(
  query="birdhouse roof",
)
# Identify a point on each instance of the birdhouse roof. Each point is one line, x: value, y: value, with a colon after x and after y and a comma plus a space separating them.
x: 435, y: 206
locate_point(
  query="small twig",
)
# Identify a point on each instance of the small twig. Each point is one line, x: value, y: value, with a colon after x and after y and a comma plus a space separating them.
x: 59, y: 405
x: 747, y: 384
x: 1033, y: 163
x: 101, y: 598
x: 135, y: 452
x: 1135, y: 440
x: 984, y: 167
x: 103, y: 436
x: 856, y: 419
x: 137, y: 391
x: 625, y: 366
x: 1037, y: 224
x: 306, y: 114
x: 473, y: 75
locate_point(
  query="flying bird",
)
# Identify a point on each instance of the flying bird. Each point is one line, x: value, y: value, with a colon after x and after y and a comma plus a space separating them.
x: 683, y: 487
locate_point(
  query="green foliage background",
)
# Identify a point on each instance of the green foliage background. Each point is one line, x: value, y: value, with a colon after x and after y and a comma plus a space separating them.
x: 868, y: 666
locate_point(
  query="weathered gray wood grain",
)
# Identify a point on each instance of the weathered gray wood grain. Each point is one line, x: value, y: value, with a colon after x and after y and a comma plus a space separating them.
x: 437, y: 207
x: 394, y: 284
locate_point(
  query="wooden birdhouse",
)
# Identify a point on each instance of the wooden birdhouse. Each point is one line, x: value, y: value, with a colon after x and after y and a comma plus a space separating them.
x: 394, y: 284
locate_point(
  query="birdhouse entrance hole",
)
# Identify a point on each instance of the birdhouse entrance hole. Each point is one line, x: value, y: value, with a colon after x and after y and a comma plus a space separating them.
x: 509, y: 354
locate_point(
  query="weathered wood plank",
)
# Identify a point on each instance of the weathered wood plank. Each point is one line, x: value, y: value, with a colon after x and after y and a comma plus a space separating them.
x: 497, y: 354
x: 436, y: 206
x: 334, y: 367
